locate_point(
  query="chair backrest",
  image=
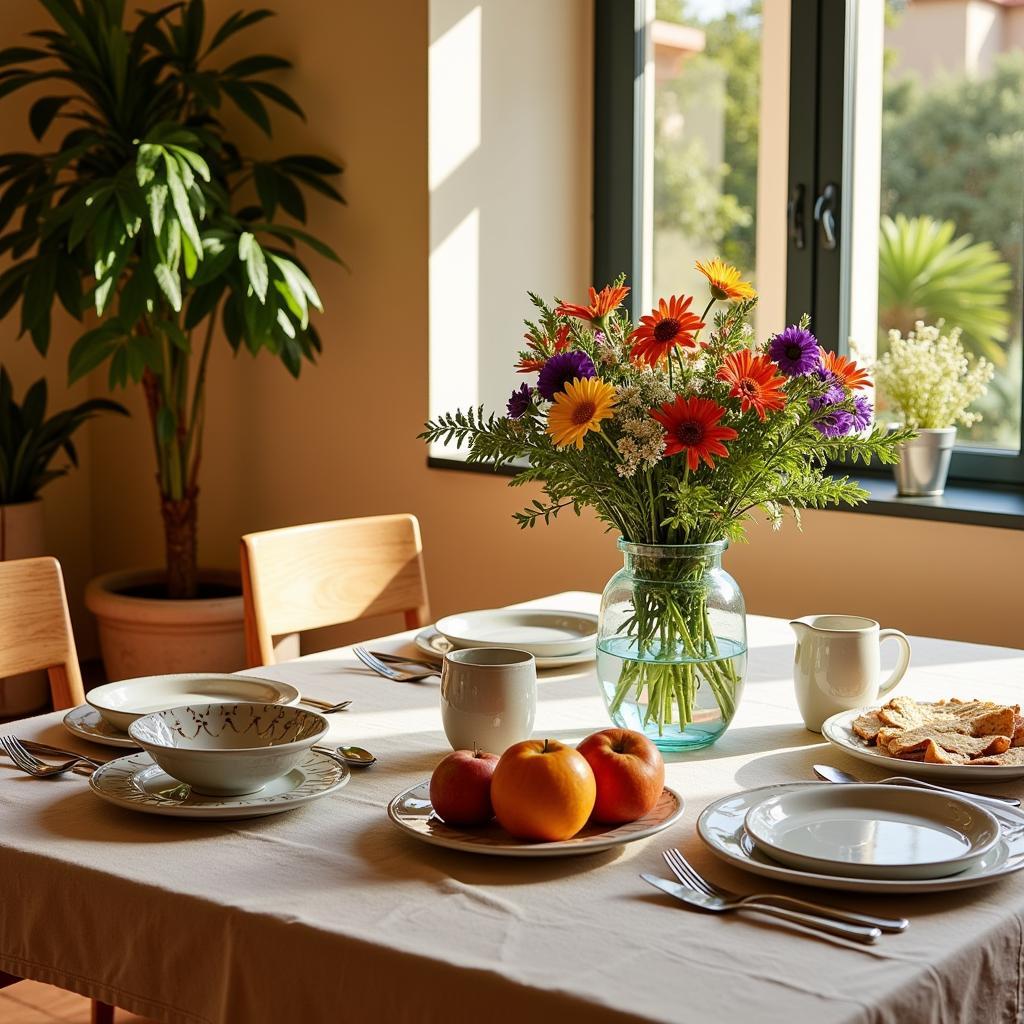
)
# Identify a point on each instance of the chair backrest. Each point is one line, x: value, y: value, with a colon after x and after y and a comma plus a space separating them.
x: 325, y: 574
x: 35, y: 628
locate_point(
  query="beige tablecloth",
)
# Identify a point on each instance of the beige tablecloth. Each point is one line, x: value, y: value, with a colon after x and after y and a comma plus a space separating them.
x: 327, y: 913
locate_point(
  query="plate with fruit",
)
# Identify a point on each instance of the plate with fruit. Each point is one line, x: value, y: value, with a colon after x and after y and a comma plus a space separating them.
x: 543, y: 798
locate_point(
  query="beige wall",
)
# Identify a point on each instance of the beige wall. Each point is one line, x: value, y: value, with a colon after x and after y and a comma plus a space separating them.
x: 341, y: 440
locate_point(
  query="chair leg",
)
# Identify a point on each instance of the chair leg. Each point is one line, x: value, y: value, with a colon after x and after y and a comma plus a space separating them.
x: 102, y: 1013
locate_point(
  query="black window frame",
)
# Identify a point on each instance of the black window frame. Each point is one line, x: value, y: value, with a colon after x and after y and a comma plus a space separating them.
x: 821, y: 33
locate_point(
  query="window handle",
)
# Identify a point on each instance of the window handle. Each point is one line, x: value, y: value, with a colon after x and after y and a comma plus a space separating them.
x: 795, y: 217
x: 825, y: 214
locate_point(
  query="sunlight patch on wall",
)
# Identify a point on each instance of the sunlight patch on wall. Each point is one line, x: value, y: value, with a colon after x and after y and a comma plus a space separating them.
x: 454, y: 97
x: 454, y: 317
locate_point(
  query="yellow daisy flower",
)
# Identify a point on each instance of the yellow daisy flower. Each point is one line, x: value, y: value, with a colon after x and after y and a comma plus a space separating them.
x: 725, y: 281
x: 578, y: 409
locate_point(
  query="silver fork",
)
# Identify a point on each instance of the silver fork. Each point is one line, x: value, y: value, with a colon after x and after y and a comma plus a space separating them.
x: 720, y: 905
x: 323, y: 705
x: 32, y: 765
x: 688, y: 875
x: 378, y: 666
x: 35, y: 747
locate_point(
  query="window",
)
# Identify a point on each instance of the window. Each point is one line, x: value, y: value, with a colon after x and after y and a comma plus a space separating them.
x: 874, y: 179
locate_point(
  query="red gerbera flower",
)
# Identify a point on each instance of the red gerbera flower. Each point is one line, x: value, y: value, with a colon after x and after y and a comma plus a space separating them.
x: 601, y: 304
x: 691, y: 426
x: 753, y: 381
x: 669, y: 325
x: 846, y: 370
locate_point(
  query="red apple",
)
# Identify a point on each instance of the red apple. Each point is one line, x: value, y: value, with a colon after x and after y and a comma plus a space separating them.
x: 630, y: 774
x: 460, y: 788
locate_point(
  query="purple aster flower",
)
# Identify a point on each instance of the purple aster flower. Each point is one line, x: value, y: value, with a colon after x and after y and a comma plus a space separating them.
x: 563, y: 368
x: 836, y: 423
x: 795, y: 351
x: 834, y: 391
x: 519, y: 401
x: 862, y: 413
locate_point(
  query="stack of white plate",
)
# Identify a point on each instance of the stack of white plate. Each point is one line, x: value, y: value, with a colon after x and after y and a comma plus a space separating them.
x: 554, y: 638
x: 865, y: 838
x: 111, y: 708
x: 136, y: 782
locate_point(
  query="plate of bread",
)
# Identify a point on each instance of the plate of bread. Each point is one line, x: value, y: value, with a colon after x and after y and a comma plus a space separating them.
x: 954, y: 739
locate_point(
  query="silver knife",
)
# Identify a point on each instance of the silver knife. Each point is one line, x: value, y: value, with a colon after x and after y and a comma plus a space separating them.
x: 716, y: 904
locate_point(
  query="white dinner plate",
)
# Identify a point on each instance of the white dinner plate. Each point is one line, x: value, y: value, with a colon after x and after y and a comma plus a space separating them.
x: 721, y: 827
x: 138, y: 784
x: 121, y: 703
x: 872, y: 831
x: 838, y: 730
x: 87, y: 723
x: 538, y: 631
x: 413, y: 813
x: 433, y: 643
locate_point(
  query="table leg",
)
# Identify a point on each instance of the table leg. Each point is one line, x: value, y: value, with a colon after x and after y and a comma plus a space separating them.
x: 102, y: 1013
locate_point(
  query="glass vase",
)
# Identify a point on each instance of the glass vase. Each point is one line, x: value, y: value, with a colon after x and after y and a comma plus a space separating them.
x: 672, y: 643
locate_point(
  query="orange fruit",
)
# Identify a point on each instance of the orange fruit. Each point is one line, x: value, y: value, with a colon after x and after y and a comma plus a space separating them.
x: 543, y: 790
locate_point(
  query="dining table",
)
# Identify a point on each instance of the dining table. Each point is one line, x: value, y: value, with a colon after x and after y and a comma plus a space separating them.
x: 330, y: 913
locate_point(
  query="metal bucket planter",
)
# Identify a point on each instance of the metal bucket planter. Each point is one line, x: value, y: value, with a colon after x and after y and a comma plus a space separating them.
x: 924, y: 463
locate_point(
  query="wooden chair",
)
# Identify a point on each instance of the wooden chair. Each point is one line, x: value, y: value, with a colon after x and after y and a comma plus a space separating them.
x: 35, y: 633
x: 325, y: 574
x: 35, y: 628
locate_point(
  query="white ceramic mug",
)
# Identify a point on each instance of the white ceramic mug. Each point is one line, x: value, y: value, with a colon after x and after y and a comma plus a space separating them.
x: 837, y: 664
x: 488, y: 698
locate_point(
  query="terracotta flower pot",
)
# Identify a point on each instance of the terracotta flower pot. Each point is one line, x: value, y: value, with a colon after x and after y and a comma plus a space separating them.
x: 143, y: 635
x: 22, y: 536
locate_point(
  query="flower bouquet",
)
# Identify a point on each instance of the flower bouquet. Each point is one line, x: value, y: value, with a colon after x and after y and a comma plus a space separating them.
x: 675, y: 430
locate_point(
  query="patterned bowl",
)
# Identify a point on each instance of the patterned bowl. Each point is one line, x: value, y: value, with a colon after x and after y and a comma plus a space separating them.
x: 228, y: 749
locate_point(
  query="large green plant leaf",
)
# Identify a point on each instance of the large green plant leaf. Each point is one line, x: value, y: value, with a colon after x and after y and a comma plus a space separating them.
x: 927, y: 272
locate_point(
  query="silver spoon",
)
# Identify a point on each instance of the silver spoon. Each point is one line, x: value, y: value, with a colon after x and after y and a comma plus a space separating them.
x: 830, y: 774
x: 356, y: 757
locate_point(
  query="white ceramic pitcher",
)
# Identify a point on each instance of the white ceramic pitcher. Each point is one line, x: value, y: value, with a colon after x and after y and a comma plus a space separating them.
x: 837, y: 664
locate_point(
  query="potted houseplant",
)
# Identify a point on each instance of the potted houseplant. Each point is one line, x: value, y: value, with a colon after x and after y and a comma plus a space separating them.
x: 147, y: 212
x: 29, y: 443
x: 929, y: 383
x: 676, y: 431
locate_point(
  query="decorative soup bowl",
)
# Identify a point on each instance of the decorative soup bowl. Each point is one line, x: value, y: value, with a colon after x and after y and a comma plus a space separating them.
x: 228, y: 749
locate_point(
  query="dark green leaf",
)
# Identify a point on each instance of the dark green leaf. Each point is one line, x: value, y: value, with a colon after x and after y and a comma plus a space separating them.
x: 39, y: 289
x: 283, y: 231
x: 235, y: 23
x: 69, y: 285
x: 203, y: 302
x: 277, y: 95
x: 92, y: 348
x: 255, y: 65
x: 20, y: 54
x: 291, y: 198
x: 311, y: 162
x: 33, y: 405
x: 248, y: 103
x: 266, y: 188
x: 42, y: 113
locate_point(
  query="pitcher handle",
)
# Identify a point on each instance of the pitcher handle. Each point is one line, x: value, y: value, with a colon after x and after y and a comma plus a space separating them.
x: 902, y: 665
